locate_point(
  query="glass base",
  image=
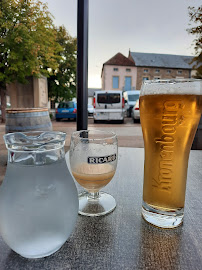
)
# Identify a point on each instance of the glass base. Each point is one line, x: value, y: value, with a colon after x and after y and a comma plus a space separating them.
x: 162, y: 219
x: 37, y: 256
x: 99, y: 205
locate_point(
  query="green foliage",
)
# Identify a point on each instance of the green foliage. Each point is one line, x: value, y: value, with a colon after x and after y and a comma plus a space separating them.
x: 195, y: 15
x: 27, y: 40
x: 30, y: 45
x: 62, y: 82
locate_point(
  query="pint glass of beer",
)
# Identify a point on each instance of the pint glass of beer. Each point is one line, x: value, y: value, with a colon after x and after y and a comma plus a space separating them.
x: 170, y: 111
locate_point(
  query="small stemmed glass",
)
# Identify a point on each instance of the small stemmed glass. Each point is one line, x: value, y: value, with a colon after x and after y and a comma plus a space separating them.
x: 93, y: 161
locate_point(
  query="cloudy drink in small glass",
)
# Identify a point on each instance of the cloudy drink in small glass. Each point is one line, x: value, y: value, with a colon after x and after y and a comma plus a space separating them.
x: 93, y: 161
x: 93, y: 178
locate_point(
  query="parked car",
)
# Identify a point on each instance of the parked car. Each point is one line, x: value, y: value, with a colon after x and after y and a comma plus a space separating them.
x: 90, y: 110
x: 66, y: 110
x: 136, y: 112
x: 130, y: 100
x: 109, y: 105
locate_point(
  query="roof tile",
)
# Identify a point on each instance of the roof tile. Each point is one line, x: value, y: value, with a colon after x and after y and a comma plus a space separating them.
x: 119, y: 60
x: 161, y: 60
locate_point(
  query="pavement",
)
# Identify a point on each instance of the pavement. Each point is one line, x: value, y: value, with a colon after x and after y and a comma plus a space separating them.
x: 129, y: 135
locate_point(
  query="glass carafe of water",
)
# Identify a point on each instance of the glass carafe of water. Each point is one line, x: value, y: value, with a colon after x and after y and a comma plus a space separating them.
x: 38, y: 197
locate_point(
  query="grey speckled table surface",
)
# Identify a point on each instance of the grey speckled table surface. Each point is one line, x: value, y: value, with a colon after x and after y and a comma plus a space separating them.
x: 122, y: 239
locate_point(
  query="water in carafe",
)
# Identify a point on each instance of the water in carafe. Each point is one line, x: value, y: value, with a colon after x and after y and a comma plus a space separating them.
x: 38, y: 203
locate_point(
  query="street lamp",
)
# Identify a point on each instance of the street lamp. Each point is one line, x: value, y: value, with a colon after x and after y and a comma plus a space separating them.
x: 82, y: 64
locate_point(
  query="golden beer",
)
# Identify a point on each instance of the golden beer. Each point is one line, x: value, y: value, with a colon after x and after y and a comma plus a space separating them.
x: 169, y: 123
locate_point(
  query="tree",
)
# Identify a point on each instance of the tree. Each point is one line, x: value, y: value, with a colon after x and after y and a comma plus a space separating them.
x: 62, y: 82
x: 195, y: 15
x: 27, y: 42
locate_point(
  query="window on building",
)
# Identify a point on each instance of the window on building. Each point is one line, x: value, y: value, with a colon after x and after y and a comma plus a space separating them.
x: 157, y: 70
x: 179, y: 72
x: 145, y: 78
x: 116, y: 69
x: 128, y: 70
x: 168, y: 71
x: 157, y: 78
x: 145, y: 70
x: 115, y: 82
x: 128, y: 83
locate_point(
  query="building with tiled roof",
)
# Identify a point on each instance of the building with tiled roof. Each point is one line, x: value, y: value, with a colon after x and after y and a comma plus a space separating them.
x: 160, y: 66
x: 119, y: 60
x: 160, y: 60
x: 127, y: 73
x: 118, y: 72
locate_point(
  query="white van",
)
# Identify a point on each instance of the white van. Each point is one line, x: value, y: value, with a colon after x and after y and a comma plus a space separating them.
x: 109, y: 105
x: 130, y: 100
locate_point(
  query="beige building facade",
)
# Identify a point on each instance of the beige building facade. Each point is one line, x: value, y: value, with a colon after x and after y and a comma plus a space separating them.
x: 128, y: 73
x: 119, y: 73
x: 123, y: 73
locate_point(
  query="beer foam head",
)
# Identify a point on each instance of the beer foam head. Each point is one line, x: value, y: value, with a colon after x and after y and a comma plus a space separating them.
x: 173, y: 86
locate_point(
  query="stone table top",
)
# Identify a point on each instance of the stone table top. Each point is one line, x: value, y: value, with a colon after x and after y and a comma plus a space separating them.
x: 122, y: 239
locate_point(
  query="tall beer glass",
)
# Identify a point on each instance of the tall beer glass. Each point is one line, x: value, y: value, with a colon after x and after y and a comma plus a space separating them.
x: 170, y: 111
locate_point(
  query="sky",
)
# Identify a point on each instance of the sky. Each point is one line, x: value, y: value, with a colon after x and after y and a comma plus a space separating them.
x: 150, y: 26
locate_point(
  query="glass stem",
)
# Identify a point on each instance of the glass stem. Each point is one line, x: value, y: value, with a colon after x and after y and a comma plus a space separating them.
x: 94, y: 195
